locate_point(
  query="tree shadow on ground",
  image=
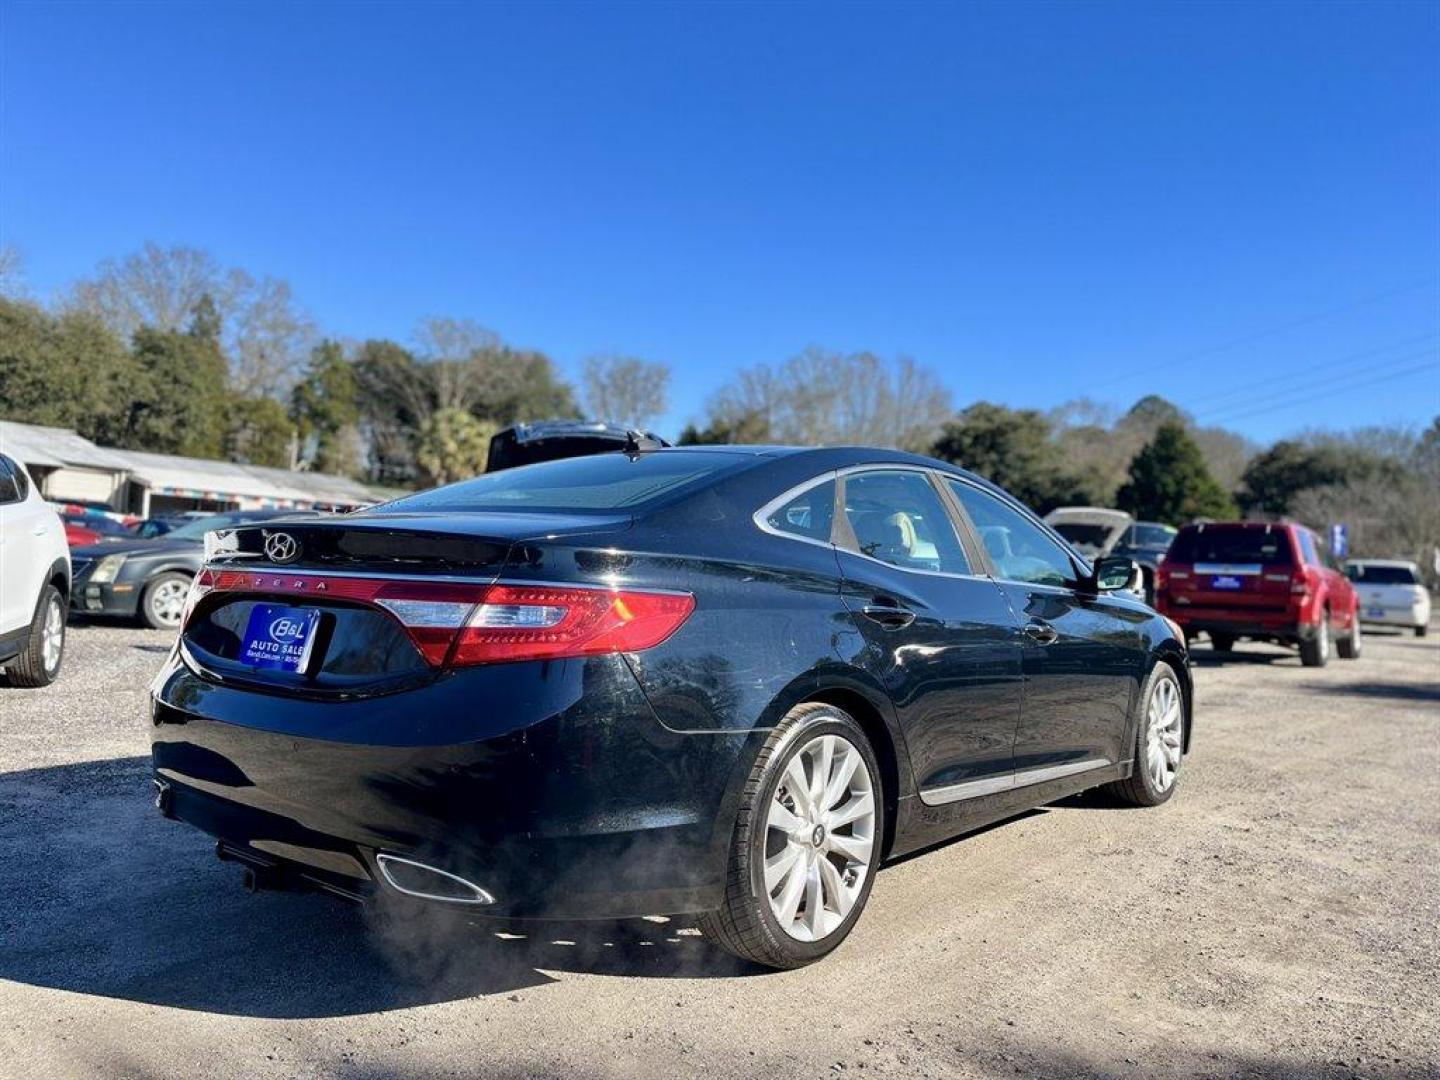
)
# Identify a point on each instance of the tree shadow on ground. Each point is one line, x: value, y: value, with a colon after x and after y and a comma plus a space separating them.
x: 1420, y: 693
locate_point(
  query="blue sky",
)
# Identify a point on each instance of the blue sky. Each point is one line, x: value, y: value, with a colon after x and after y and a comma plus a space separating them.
x: 1038, y: 201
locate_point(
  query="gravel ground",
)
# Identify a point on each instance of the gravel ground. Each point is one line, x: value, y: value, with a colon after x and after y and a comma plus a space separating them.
x: 1277, y: 918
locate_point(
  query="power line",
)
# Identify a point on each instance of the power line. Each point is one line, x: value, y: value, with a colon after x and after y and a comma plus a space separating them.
x: 1311, y: 384
x: 1279, y: 328
x: 1304, y: 370
x: 1429, y: 365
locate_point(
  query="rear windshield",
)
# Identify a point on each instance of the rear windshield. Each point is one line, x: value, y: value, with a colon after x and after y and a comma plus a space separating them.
x: 597, y: 483
x: 1381, y: 575
x: 1231, y: 544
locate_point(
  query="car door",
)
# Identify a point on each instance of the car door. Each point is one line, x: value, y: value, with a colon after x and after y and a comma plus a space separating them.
x: 939, y: 634
x: 1082, y: 651
x: 23, y: 524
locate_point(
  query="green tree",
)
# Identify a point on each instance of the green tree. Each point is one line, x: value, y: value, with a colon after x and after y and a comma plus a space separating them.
x: 177, y: 403
x: 452, y: 445
x: 1274, y: 479
x: 1170, y: 483
x: 325, y: 406
x: 1013, y: 448
x: 259, y: 432
x: 749, y: 427
x: 65, y: 371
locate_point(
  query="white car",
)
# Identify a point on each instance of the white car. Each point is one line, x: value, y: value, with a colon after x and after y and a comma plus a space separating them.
x: 34, y: 581
x: 1391, y: 593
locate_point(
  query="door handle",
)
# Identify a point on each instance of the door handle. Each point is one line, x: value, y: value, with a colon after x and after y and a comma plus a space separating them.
x: 1042, y: 633
x: 39, y: 530
x: 888, y: 616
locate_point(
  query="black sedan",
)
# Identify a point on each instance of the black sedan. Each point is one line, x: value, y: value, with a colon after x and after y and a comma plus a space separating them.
x: 723, y: 681
x: 147, y: 576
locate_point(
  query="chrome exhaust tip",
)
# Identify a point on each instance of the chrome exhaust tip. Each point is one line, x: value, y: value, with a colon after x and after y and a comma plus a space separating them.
x: 429, y: 882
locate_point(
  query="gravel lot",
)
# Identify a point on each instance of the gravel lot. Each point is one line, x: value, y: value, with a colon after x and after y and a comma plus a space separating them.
x: 1278, y: 918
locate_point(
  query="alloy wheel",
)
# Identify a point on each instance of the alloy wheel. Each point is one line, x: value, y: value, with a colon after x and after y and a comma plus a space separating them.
x: 1164, y: 721
x: 819, y: 837
x: 52, y: 636
x: 167, y: 601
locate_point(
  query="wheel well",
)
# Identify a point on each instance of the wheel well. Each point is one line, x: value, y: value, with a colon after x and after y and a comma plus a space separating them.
x: 873, y: 724
x: 61, y: 583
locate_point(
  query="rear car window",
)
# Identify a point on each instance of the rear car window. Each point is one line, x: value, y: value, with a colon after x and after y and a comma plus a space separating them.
x: 1231, y: 544
x: 1151, y: 536
x: 808, y: 515
x: 1381, y: 575
x: 598, y: 483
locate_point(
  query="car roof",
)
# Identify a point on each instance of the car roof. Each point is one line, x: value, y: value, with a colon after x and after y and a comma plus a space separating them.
x: 1406, y: 563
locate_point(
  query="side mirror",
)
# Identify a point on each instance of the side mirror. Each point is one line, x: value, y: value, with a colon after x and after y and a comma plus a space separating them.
x: 1115, y: 572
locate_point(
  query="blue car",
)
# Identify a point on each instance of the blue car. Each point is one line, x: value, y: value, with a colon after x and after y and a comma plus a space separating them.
x: 721, y: 681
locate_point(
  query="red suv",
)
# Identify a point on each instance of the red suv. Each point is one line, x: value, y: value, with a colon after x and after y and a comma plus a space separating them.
x: 1266, y: 582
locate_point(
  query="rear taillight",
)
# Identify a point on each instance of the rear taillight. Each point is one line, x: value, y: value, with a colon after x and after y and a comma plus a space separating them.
x: 1301, y: 583
x: 459, y: 624
x: 524, y: 622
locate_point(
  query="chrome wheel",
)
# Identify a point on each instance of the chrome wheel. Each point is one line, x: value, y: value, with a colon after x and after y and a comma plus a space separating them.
x: 167, y: 601
x: 1164, y: 723
x: 52, y: 636
x: 819, y: 837
x: 1322, y: 640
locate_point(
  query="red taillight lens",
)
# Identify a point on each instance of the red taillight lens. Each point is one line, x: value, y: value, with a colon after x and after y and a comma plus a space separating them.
x: 522, y: 622
x: 463, y: 624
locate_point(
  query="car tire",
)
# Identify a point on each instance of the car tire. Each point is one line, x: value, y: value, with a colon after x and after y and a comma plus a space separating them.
x: 1421, y: 631
x: 1161, y: 730
x: 794, y: 867
x: 1349, y: 646
x: 163, y: 600
x: 1222, y: 642
x: 1315, y: 652
x: 39, y: 664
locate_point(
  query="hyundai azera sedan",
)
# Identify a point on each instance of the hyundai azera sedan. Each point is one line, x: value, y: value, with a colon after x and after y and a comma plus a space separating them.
x: 723, y: 681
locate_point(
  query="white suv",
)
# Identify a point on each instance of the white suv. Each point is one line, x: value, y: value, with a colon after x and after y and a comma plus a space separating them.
x: 34, y: 581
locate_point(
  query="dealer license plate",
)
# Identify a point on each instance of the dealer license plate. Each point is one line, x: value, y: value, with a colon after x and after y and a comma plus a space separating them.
x: 279, y: 638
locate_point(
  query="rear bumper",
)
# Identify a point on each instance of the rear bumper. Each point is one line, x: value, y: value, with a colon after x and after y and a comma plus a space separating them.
x: 552, y: 787
x: 1408, y: 617
x: 1283, y: 628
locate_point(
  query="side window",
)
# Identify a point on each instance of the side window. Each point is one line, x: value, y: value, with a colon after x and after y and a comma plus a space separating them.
x: 808, y: 515
x: 1019, y: 548
x: 9, y: 483
x: 898, y: 518
x: 1307, y: 547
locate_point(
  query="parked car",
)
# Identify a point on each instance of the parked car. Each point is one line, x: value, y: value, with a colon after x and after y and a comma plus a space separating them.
x: 550, y: 440
x: 1392, y: 593
x: 1264, y: 582
x: 1092, y: 530
x: 148, y: 577
x: 85, y: 526
x: 727, y: 681
x: 1147, y: 542
x: 34, y: 581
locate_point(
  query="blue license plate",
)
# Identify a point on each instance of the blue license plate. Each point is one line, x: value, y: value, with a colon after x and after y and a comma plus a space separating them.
x: 1225, y: 581
x: 279, y: 638
x: 1377, y: 613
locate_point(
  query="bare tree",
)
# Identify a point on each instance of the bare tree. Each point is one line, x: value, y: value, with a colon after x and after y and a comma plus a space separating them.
x: 265, y: 336
x: 827, y: 398
x: 12, y: 272
x: 626, y: 389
